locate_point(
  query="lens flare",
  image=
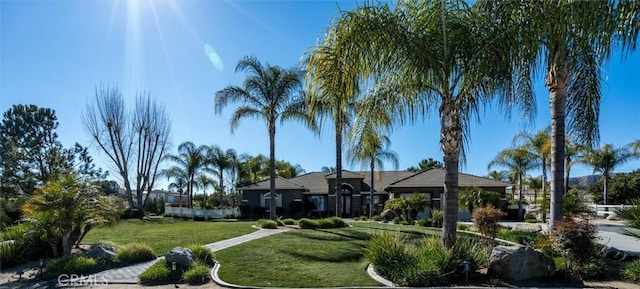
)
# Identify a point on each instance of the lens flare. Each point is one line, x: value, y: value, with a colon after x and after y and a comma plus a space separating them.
x: 213, y: 57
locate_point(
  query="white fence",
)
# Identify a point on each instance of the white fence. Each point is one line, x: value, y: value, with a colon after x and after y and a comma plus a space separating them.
x: 605, y: 210
x: 206, y: 214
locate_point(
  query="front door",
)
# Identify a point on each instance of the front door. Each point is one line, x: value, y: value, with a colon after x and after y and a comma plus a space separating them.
x: 346, y: 206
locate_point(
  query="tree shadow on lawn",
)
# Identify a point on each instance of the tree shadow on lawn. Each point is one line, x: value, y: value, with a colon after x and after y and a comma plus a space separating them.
x: 350, y: 252
x: 336, y: 235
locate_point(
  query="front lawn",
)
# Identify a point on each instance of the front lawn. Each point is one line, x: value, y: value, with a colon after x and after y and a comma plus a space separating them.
x: 165, y: 234
x: 300, y: 258
x: 308, y: 258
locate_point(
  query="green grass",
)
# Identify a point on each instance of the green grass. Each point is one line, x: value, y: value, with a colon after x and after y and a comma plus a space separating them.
x: 300, y: 258
x: 165, y: 234
x: 309, y: 258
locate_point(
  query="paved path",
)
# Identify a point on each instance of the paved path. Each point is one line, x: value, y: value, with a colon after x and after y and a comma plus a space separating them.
x: 610, y: 234
x: 129, y: 274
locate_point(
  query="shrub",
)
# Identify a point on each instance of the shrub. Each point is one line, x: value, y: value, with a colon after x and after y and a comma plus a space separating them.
x: 631, y: 214
x: 26, y: 245
x: 632, y: 271
x: 397, y: 220
x: 289, y: 221
x: 544, y: 243
x: 486, y: 221
x: 134, y: 253
x: 198, y: 274
x: 437, y: 216
x: 72, y: 265
x: 424, y: 222
x: 576, y: 242
x: 596, y: 268
x: 327, y: 223
x: 203, y: 254
x: 308, y: 224
x: 390, y: 256
x: 520, y: 237
x: 532, y: 221
x: 377, y: 218
x: 336, y: 222
x: 463, y: 227
x: 161, y: 273
x: 267, y: 224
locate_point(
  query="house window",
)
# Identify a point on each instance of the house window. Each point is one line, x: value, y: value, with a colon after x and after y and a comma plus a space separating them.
x: 376, y: 199
x: 265, y: 200
x: 319, y: 203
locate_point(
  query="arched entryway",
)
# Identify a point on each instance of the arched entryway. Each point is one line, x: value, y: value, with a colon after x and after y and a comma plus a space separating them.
x: 347, y: 198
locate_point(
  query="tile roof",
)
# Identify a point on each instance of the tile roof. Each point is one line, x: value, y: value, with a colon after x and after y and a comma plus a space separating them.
x: 281, y: 183
x: 346, y: 175
x: 435, y: 178
x: 317, y: 182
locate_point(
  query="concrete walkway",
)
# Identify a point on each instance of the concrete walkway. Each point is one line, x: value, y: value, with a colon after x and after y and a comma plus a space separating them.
x: 610, y: 234
x: 129, y: 274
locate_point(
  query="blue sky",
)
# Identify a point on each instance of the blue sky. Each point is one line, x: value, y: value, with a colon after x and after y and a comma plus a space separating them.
x: 54, y: 53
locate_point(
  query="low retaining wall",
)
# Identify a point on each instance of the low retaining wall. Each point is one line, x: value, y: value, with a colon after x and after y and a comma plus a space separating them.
x: 206, y: 214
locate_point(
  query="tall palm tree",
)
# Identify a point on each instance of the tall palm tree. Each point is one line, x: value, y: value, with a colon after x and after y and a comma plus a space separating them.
x: 573, y: 154
x: 539, y: 144
x: 190, y: 162
x: 370, y: 147
x: 270, y: 93
x: 573, y: 53
x: 635, y: 147
x: 518, y: 161
x: 222, y: 161
x: 605, y: 160
x: 424, y: 55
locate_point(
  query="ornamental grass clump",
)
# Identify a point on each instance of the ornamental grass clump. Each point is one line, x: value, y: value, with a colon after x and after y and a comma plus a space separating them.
x: 267, y: 224
x: 134, y: 253
x: 631, y: 271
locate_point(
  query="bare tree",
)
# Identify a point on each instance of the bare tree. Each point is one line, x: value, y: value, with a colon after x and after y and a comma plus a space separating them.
x: 135, y: 142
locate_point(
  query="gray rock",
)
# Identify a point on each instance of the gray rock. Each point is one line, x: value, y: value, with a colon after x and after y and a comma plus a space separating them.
x: 527, y: 227
x: 102, y: 251
x: 519, y: 263
x: 388, y: 215
x: 182, y: 256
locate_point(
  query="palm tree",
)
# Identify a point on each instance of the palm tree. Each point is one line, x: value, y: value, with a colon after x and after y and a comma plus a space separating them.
x: 573, y: 154
x: 190, y: 162
x: 499, y: 175
x: 222, y: 161
x: 287, y: 170
x: 370, y: 147
x: 328, y: 169
x: 538, y: 144
x: 605, y: 160
x: 635, y: 146
x: 203, y: 182
x: 180, y: 179
x: 536, y: 185
x: 423, y: 55
x: 573, y: 53
x: 426, y: 164
x: 518, y: 161
x: 270, y: 93
x: 252, y: 169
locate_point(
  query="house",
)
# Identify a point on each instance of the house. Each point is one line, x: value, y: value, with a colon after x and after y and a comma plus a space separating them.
x: 169, y: 197
x: 313, y: 194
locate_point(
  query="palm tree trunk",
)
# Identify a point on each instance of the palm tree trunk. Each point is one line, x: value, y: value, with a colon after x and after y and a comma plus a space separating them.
x: 566, y: 179
x: 373, y: 164
x: 556, y: 82
x: 272, y: 169
x: 520, y: 213
x: 451, y: 136
x: 221, y: 176
x: 338, y: 168
x: 606, y: 189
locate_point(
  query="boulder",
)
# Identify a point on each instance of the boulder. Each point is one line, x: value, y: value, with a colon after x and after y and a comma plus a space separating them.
x: 526, y: 227
x: 388, y: 215
x: 519, y: 263
x: 182, y: 256
x: 102, y: 251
